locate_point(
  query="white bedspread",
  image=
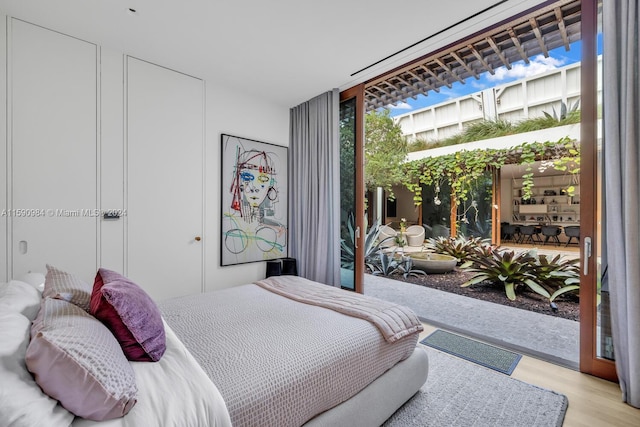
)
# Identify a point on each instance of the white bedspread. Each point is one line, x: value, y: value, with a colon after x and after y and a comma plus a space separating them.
x: 393, y: 320
x: 172, y: 392
x: 276, y: 361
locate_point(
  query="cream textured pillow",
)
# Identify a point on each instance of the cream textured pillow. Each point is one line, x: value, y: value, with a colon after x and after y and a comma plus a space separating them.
x: 62, y: 285
x: 78, y: 361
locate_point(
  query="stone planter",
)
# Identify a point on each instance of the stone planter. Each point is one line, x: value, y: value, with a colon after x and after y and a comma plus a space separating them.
x: 433, y: 263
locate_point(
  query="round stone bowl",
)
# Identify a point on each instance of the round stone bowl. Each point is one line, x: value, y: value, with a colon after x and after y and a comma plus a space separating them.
x: 433, y: 263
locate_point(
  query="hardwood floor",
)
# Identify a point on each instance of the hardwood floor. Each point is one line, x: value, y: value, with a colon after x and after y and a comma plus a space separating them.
x: 593, y: 402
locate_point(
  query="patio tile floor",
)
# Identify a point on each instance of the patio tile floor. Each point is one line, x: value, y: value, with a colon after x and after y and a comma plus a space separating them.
x: 550, y: 338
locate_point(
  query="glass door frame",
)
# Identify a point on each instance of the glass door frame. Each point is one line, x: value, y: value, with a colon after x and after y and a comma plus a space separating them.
x: 357, y: 92
x: 590, y: 363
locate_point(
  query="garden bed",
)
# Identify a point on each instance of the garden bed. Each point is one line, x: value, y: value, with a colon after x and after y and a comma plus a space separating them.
x: 568, y: 305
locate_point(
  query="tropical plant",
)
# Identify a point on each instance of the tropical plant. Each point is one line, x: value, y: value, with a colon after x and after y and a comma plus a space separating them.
x: 558, y: 275
x: 564, y: 111
x: 493, y: 129
x: 508, y: 269
x: 547, y: 277
x: 371, y: 245
x: 389, y: 263
x: 459, y: 247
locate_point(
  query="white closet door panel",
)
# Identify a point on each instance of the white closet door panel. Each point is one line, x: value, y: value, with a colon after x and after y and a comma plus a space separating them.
x: 4, y: 267
x: 53, y: 106
x: 68, y: 243
x: 164, y: 179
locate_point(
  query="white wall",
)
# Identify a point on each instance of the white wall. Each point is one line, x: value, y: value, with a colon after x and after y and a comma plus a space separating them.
x: 227, y: 110
x: 233, y: 113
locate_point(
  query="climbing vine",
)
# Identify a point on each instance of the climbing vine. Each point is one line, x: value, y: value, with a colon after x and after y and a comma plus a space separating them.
x: 463, y: 168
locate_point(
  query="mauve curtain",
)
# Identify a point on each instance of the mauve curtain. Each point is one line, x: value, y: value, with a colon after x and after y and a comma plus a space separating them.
x: 621, y: 94
x: 314, y: 186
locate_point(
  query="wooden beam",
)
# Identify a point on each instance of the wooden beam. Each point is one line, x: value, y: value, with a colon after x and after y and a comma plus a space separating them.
x: 562, y: 28
x: 497, y: 51
x: 484, y: 63
x: 465, y: 65
x: 516, y: 43
x: 538, y: 34
x: 448, y: 70
x: 425, y: 84
x: 435, y: 76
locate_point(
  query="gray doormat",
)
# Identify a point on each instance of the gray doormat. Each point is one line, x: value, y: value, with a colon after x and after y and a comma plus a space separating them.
x: 474, y: 351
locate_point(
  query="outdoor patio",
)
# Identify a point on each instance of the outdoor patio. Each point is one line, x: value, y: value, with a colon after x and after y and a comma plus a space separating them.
x: 546, y: 337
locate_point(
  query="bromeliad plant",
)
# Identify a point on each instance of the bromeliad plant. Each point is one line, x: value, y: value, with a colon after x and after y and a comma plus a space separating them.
x: 558, y: 275
x: 460, y: 247
x: 508, y: 269
x: 549, y: 278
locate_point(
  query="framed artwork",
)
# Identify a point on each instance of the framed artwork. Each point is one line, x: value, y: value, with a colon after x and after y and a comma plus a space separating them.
x: 254, y: 201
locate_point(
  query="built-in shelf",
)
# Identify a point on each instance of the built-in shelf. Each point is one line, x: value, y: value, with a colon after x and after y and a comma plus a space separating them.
x: 552, y: 201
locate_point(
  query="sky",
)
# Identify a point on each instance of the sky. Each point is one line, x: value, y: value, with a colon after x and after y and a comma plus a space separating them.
x: 557, y: 58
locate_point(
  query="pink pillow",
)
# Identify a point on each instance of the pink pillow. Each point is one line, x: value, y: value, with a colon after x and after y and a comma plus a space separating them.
x: 65, y: 286
x: 76, y: 360
x: 131, y: 315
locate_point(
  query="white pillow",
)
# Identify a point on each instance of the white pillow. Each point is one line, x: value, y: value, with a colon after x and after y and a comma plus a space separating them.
x: 23, y: 402
x: 20, y: 297
x: 34, y: 279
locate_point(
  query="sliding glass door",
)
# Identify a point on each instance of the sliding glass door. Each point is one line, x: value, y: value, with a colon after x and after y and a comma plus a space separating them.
x: 596, y: 347
x: 352, y: 227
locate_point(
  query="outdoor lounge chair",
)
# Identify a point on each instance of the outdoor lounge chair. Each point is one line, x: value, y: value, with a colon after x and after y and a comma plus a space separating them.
x: 415, y: 235
x: 387, y: 236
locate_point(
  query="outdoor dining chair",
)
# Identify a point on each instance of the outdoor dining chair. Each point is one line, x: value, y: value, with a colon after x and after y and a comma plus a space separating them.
x: 572, y: 231
x: 551, y: 232
x: 530, y: 233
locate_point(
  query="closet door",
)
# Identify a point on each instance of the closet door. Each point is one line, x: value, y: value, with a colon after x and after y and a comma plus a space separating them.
x: 52, y: 148
x: 164, y: 221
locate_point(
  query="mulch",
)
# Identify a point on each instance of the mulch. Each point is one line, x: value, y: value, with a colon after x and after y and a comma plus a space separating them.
x: 568, y: 305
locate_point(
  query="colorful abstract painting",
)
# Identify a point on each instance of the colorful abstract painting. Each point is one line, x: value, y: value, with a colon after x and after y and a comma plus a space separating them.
x: 254, y: 201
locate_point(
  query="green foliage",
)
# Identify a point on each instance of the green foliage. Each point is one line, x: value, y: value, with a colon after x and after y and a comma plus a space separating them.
x: 462, y: 248
x: 385, y: 150
x: 508, y: 269
x: 388, y: 264
x: 493, y: 129
x: 547, y: 277
x: 558, y: 275
x: 348, y: 246
x: 565, y: 112
x: 463, y: 169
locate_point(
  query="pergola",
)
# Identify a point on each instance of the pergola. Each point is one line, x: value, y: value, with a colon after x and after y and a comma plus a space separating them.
x: 514, y: 40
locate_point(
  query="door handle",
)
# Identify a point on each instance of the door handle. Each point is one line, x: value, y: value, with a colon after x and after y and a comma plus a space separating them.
x: 198, y: 238
x: 587, y: 254
x: 357, y: 236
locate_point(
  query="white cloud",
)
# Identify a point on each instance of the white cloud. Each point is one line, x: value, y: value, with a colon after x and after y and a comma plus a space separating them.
x: 400, y: 106
x: 537, y: 65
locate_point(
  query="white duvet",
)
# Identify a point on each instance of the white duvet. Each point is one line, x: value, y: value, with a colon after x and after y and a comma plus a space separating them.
x: 172, y: 392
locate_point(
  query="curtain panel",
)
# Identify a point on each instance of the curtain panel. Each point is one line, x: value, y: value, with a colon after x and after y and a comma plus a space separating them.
x: 314, y: 188
x: 621, y: 148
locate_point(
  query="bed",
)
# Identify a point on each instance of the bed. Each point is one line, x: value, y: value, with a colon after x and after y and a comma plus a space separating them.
x: 284, y: 351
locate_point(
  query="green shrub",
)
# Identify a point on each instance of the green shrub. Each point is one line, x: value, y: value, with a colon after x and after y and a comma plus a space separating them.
x: 547, y: 277
x: 460, y: 247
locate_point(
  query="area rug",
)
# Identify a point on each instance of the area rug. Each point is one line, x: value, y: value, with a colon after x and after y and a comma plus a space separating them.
x: 460, y: 393
x: 474, y: 351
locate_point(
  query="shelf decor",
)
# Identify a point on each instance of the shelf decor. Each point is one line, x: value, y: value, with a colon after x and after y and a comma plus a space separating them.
x: 254, y: 201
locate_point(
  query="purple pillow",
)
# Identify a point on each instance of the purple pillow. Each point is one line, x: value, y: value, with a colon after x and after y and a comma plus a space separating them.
x: 131, y: 315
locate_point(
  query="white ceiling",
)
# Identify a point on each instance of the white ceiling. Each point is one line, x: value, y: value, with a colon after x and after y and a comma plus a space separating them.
x: 286, y: 51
